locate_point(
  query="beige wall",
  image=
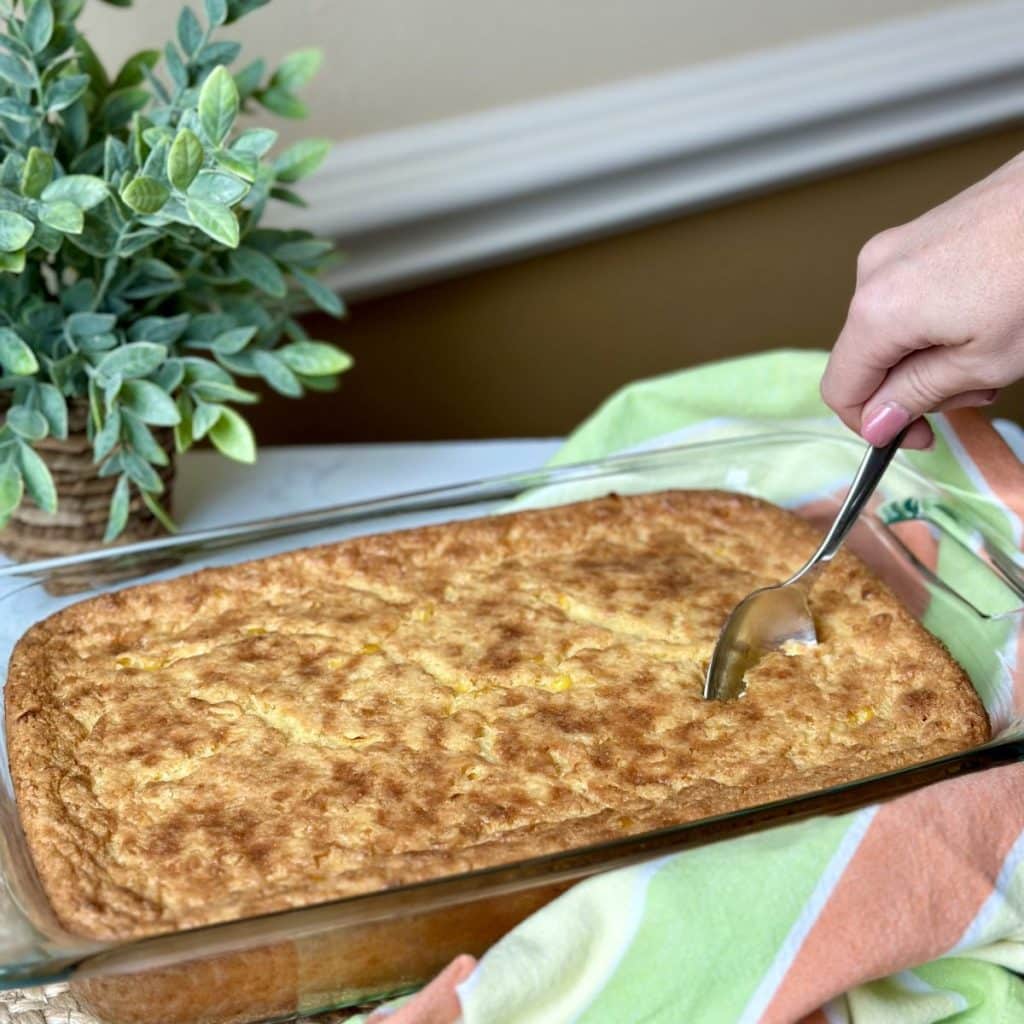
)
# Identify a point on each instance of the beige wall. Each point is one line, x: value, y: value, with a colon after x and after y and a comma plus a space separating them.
x: 392, y: 63
x: 531, y: 348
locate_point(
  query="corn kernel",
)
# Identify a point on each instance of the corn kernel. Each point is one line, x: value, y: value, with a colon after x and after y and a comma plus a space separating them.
x: 370, y: 649
x: 860, y: 716
x: 424, y: 614
x: 563, y: 601
x: 558, y: 685
x: 140, y: 662
x: 255, y: 631
x: 462, y: 686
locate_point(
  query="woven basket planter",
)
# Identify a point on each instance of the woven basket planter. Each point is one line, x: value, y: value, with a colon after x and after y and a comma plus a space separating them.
x: 83, y: 500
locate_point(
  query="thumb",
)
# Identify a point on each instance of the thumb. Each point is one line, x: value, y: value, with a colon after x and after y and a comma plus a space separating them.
x: 922, y: 382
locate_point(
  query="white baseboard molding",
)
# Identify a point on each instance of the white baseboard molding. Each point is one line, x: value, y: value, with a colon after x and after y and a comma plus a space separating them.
x: 420, y: 204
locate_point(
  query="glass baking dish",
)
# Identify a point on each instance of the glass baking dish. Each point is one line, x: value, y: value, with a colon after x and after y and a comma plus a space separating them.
x: 947, y: 553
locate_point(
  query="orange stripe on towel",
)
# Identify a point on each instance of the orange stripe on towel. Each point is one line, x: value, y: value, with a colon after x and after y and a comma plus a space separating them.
x: 886, y: 913
x: 991, y: 455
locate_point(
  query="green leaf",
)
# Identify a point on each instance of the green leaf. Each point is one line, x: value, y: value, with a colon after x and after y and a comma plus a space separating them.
x: 183, y: 429
x: 234, y: 340
x: 216, y: 11
x: 111, y: 389
x: 203, y: 419
x: 62, y: 215
x: 184, y: 159
x: 145, y: 195
x: 91, y: 65
x: 64, y: 91
x: 12, y: 109
x: 296, y: 70
x: 11, y: 487
x: 117, y: 108
x: 119, y: 502
x: 107, y: 436
x: 319, y: 293
x: 276, y: 374
x: 190, y: 32
x: 15, y: 231
x: 248, y: 79
x: 314, y: 358
x: 254, y: 142
x: 239, y: 8
x: 282, y: 103
x: 214, y: 220
x: 243, y: 164
x: 214, y: 391
x: 12, y: 262
x: 218, y: 187
x: 176, y: 67
x: 301, y: 159
x: 159, y: 512
x: 38, y: 481
x: 232, y: 437
x: 111, y: 467
x: 305, y: 251
x: 83, y: 190
x: 259, y: 270
x: 141, y: 439
x: 164, y: 330
x: 218, y: 53
x: 17, y: 358
x: 38, y: 173
x: 76, y: 125
x: 98, y: 343
x: 218, y: 104
x: 133, y: 71
x: 198, y: 369
x: 135, y: 241
x: 17, y: 71
x: 169, y: 377
x: 141, y: 472
x: 328, y: 383
x: 149, y: 403
x: 55, y: 409
x: 139, y: 359
x: 84, y: 325
x: 27, y: 423
x: 38, y: 30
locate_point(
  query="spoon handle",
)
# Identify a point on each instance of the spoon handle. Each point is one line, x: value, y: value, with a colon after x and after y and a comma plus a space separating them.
x: 872, y: 467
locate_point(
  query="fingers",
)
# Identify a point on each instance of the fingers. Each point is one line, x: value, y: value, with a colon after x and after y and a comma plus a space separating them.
x: 925, y: 381
x: 879, y: 333
x: 970, y: 400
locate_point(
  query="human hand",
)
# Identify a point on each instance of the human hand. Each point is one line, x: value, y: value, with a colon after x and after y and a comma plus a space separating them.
x: 937, y: 317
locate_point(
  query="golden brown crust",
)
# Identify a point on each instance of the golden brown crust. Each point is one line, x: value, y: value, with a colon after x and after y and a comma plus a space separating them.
x: 403, y: 706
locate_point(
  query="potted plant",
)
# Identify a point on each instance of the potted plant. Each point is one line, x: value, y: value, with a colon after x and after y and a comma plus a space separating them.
x: 137, y: 288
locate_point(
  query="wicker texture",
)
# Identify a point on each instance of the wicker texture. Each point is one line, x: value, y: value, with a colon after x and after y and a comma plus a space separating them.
x: 83, y: 500
x: 54, y: 1004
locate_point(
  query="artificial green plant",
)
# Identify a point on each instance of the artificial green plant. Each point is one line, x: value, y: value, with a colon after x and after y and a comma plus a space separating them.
x: 134, y: 275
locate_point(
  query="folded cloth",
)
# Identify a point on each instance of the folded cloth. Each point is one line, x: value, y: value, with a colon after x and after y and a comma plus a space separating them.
x: 910, y: 912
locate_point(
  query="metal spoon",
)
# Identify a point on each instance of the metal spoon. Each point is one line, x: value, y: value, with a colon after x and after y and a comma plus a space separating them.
x: 772, y: 616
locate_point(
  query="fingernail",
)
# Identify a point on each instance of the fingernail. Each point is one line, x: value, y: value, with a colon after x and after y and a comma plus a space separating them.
x: 881, y: 425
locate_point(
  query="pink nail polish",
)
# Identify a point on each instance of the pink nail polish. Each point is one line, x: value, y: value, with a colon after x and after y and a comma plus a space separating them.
x: 881, y: 425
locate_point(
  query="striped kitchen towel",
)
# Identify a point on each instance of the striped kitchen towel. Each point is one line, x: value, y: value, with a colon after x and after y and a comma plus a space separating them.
x: 911, y: 912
